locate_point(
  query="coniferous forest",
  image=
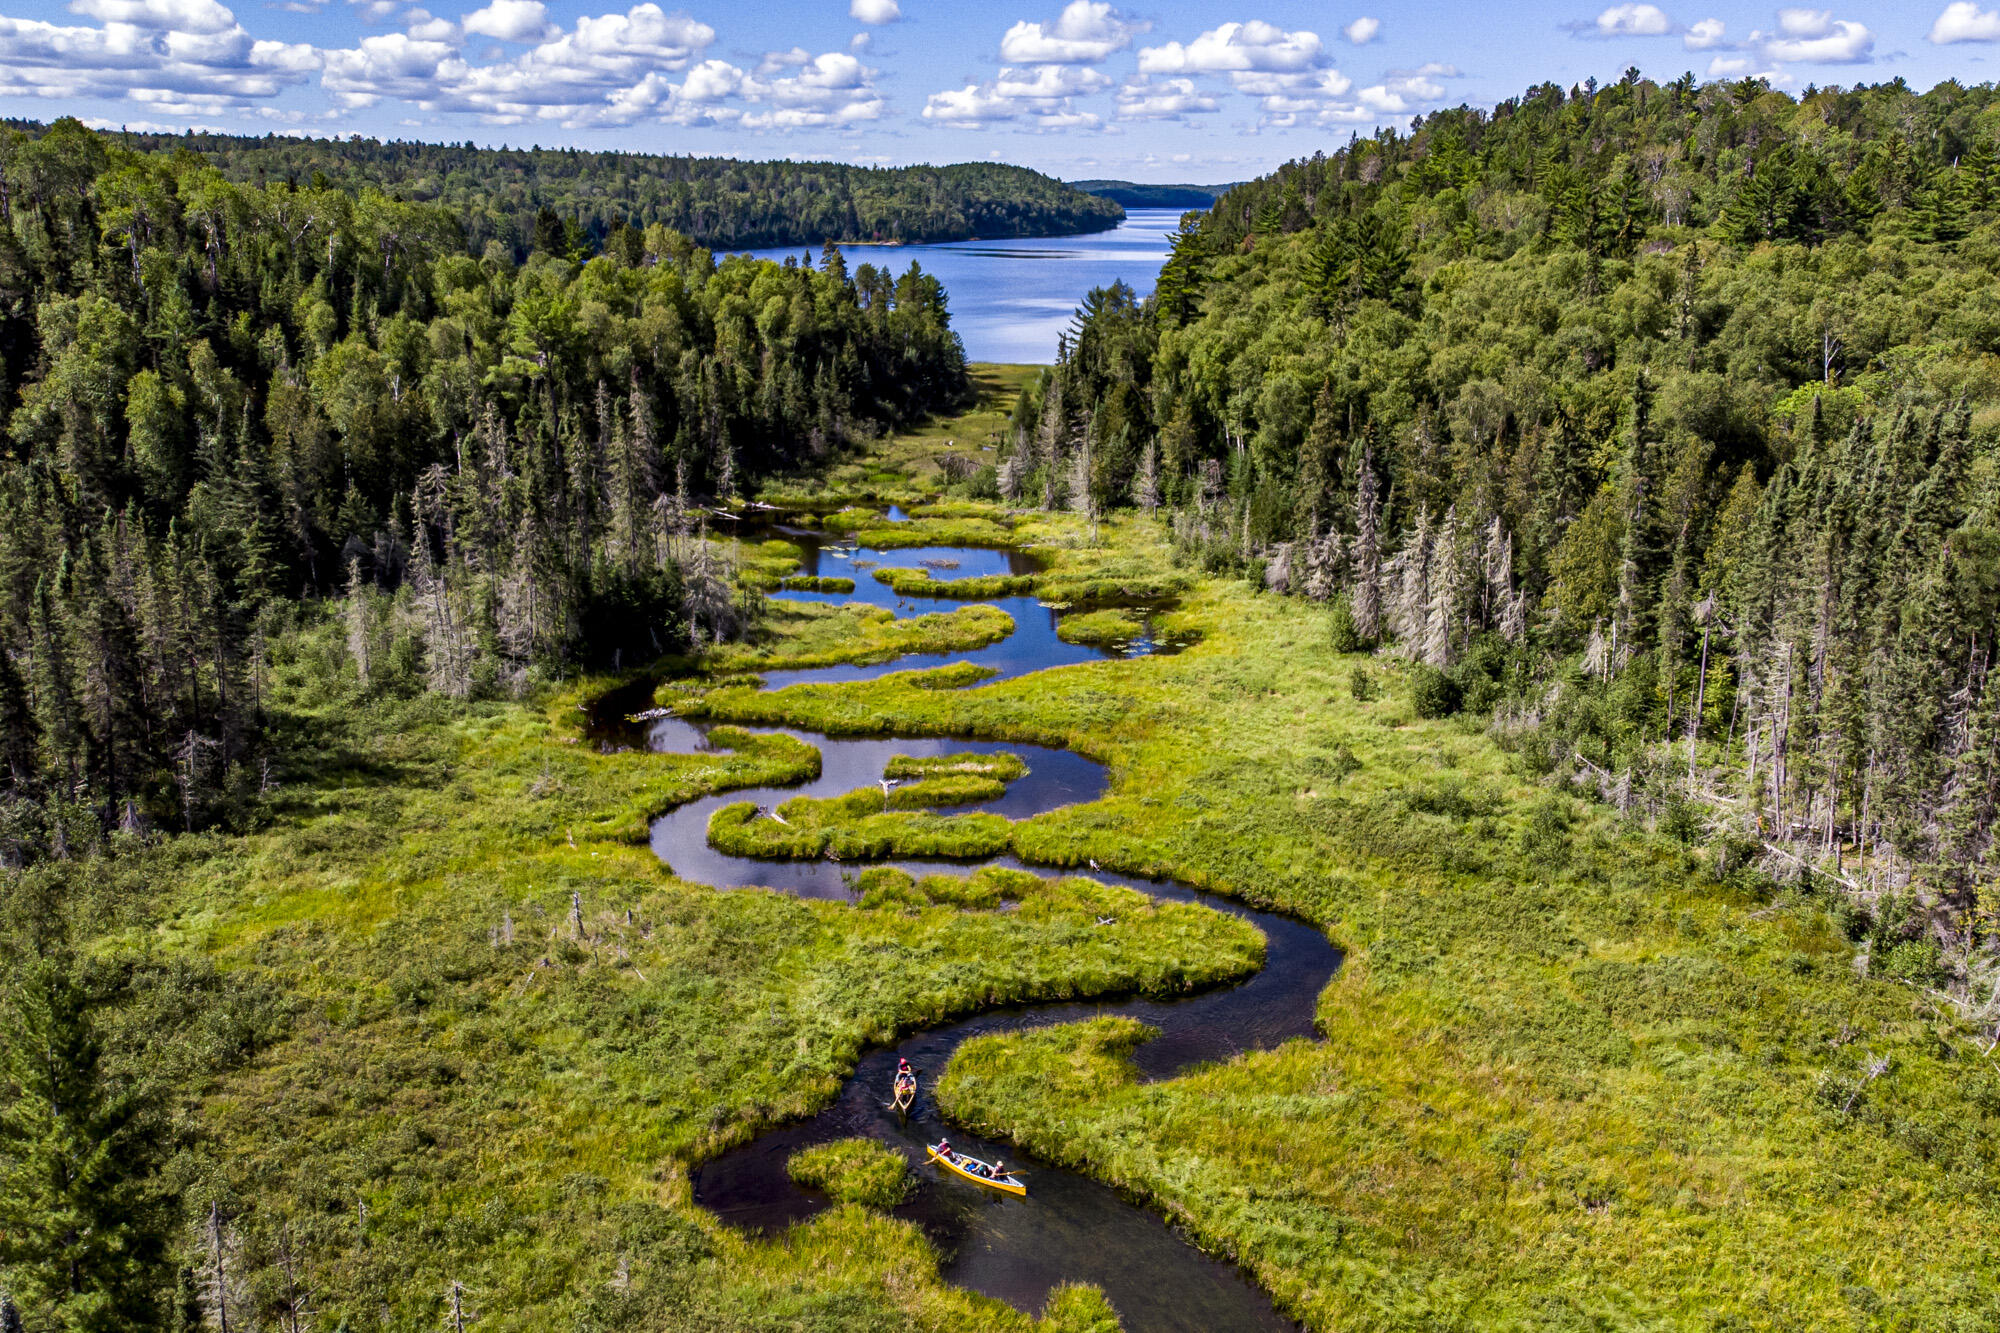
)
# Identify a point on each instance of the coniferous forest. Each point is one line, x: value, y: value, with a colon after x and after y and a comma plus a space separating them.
x: 565, y: 200
x: 1657, y: 421
x: 224, y: 398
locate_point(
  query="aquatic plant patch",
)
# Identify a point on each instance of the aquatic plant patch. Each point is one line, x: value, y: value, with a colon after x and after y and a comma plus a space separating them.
x: 952, y: 789
x: 1003, y: 766
x: 859, y: 1171
x: 976, y: 587
x: 1104, y: 628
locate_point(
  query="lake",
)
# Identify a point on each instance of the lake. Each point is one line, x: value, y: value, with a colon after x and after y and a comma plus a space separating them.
x: 1011, y: 298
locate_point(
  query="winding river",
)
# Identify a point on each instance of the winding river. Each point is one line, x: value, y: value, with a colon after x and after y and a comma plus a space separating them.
x: 1069, y: 1228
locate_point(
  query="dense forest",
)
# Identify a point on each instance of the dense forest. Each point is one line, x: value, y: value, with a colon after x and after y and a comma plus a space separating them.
x: 218, y: 399
x: 503, y: 194
x: 1131, y: 194
x: 1658, y: 421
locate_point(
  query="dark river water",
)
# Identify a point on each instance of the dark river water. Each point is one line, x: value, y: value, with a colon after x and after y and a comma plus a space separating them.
x: 1069, y: 1227
x: 1010, y: 299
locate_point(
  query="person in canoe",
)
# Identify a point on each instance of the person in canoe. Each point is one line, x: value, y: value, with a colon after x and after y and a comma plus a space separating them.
x: 992, y: 1174
x: 906, y: 1085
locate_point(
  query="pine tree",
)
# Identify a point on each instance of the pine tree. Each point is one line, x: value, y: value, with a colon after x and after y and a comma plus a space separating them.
x: 1146, y: 481
x: 59, y: 716
x: 1409, y: 602
x: 1050, y: 435
x: 1367, y: 552
x: 1639, y: 550
x: 1014, y: 473
x: 1082, y: 498
x: 77, y: 1231
x: 1443, y: 591
x: 19, y: 732
x: 354, y: 611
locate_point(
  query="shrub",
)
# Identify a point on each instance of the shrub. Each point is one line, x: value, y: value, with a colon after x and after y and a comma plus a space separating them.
x: 1919, y: 962
x: 1362, y: 685
x: 1546, y: 838
x: 853, y: 1171
x: 1681, y: 821
x: 983, y: 484
x: 1452, y: 798
x: 812, y: 583
x: 1433, y: 693
x: 1336, y: 764
x: 1479, y: 673
x: 1344, y: 637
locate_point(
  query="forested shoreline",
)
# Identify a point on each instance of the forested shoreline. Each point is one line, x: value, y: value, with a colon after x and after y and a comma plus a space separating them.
x: 571, y: 200
x: 219, y: 399
x: 1657, y: 421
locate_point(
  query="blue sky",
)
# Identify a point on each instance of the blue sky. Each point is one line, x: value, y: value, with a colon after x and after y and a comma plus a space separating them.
x: 1176, y: 91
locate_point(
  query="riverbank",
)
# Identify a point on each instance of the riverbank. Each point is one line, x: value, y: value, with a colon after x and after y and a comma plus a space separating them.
x: 456, y: 1024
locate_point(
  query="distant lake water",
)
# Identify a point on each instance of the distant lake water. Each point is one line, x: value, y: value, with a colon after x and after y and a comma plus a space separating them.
x: 1010, y: 299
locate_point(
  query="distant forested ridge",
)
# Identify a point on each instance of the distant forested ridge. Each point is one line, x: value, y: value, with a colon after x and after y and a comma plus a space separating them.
x: 1130, y: 194
x: 218, y: 398
x: 500, y: 194
x: 1659, y: 421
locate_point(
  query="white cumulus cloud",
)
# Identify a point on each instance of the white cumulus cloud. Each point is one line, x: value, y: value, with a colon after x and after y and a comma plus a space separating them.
x: 1362, y: 31
x: 1633, y: 20
x: 874, y: 11
x: 512, y: 21
x: 608, y: 69
x: 1963, y: 21
x: 1086, y: 32
x: 420, y: 24
x: 1407, y: 91
x: 1255, y: 45
x: 1703, y: 35
x: 1810, y: 41
x: 1140, y: 98
x: 148, y: 51
x: 201, y: 16
x: 1041, y: 95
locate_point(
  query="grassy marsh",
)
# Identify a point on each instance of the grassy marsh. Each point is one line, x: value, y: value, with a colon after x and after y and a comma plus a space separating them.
x: 1574, y: 1076
x: 1569, y: 1078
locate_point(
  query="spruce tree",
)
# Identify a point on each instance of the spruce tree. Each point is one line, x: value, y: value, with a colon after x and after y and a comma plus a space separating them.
x: 78, y: 1246
x: 1367, y: 552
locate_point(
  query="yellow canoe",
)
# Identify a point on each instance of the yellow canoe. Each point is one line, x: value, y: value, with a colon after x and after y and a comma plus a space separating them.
x: 906, y: 1092
x: 1006, y: 1184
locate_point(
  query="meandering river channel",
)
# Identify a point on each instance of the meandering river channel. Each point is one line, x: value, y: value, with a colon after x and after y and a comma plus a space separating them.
x: 1069, y: 1228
